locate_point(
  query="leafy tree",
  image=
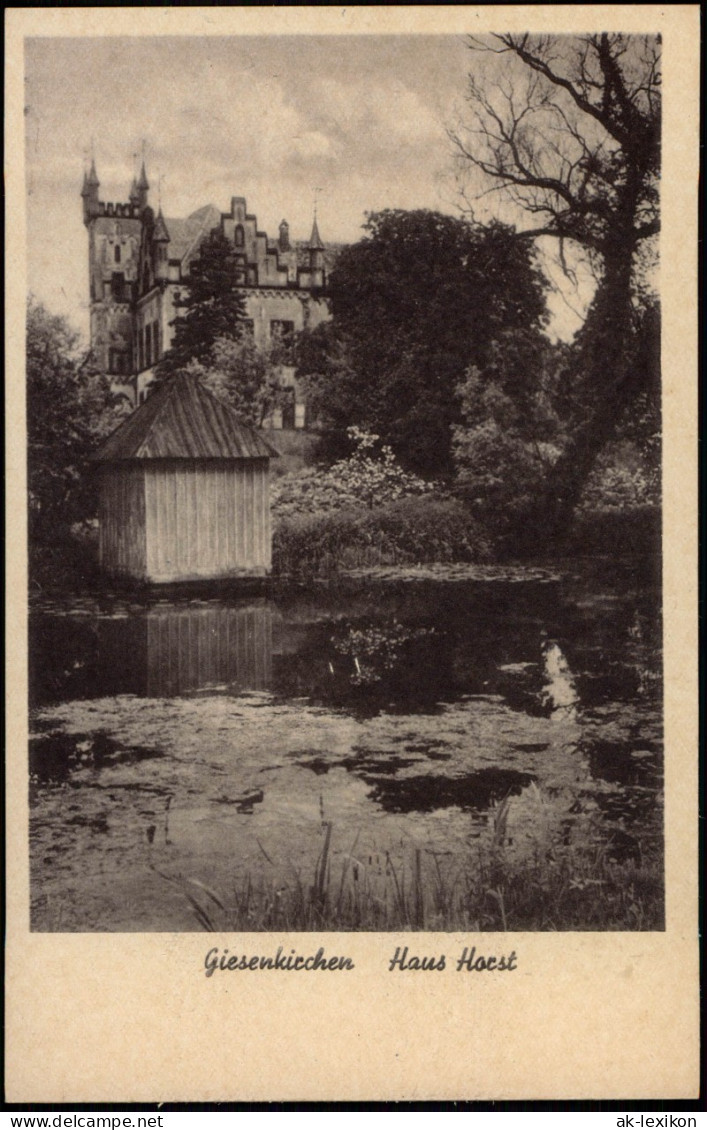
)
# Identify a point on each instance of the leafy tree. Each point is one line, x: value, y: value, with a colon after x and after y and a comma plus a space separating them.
x: 512, y: 427
x: 567, y: 129
x: 245, y: 375
x: 414, y: 303
x: 213, y: 305
x: 70, y: 408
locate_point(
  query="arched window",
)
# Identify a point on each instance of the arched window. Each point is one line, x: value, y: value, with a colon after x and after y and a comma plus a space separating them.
x: 116, y: 252
x: 239, y: 237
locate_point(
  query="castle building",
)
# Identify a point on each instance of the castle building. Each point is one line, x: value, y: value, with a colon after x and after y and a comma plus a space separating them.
x: 138, y: 261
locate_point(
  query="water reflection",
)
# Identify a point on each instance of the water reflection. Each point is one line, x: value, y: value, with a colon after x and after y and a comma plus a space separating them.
x: 405, y: 650
x: 155, y: 652
x: 559, y: 692
x: 424, y: 714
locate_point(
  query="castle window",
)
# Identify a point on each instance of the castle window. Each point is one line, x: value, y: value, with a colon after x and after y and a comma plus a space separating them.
x: 116, y: 252
x: 118, y: 362
x: 148, y: 348
x: 248, y: 326
x: 239, y: 236
x: 117, y: 286
x: 156, y: 341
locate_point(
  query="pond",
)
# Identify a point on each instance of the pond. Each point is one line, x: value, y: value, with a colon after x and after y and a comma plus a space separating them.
x: 408, y: 751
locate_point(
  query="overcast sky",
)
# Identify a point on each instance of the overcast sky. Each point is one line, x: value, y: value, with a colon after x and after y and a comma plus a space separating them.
x: 360, y: 118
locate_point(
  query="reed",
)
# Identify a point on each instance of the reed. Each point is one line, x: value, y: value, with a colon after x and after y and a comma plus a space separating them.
x: 581, y: 888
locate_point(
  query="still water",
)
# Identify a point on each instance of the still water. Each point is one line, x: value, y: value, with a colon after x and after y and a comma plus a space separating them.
x: 210, y: 740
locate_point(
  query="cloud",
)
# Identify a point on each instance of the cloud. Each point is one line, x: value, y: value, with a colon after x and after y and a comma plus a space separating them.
x: 378, y: 113
x: 271, y: 119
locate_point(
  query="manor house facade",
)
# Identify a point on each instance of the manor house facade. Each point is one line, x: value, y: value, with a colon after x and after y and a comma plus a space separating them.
x: 138, y: 261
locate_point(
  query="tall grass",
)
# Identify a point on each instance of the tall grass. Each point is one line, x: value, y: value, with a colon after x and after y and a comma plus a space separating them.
x: 578, y: 888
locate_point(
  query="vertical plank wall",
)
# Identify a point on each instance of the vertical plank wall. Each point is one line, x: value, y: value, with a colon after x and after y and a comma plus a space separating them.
x: 207, y: 518
x: 190, y: 649
x: 121, y: 515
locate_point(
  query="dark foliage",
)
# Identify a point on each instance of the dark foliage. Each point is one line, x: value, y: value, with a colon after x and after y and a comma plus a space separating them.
x: 417, y: 301
x: 213, y: 303
x: 70, y: 408
x: 571, y: 135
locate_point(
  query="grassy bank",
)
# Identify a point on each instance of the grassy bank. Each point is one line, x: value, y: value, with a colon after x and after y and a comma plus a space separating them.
x: 568, y: 888
x: 412, y: 531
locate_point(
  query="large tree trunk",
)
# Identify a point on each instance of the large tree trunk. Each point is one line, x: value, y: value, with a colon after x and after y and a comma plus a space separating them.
x: 612, y: 376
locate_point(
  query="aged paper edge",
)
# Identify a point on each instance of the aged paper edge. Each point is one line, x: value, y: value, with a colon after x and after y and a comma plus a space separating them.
x: 119, y: 1018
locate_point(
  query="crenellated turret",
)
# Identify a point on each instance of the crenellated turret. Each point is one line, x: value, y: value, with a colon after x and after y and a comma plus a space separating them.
x: 138, y: 259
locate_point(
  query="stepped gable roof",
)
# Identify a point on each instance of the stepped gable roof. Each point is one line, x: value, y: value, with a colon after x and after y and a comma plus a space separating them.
x: 186, y: 235
x: 183, y: 420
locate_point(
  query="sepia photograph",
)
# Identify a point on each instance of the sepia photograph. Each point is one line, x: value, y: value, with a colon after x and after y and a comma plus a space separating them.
x: 353, y: 364
x: 344, y: 449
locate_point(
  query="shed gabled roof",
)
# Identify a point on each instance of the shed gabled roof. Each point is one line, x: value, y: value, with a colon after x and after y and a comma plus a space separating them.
x: 183, y: 420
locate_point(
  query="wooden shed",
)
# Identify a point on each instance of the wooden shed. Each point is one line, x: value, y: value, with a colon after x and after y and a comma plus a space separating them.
x: 184, y: 490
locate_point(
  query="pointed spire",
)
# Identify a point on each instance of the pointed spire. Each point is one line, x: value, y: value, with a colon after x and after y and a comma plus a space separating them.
x: 161, y: 234
x: 143, y: 182
x: 134, y: 193
x: 315, y: 240
x: 89, y: 193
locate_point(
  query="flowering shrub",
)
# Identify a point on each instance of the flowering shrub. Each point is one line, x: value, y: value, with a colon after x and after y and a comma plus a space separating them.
x: 370, y: 477
x: 616, y: 487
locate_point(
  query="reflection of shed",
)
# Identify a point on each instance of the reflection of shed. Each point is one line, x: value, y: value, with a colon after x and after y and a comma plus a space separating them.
x: 175, y: 649
x: 184, y: 490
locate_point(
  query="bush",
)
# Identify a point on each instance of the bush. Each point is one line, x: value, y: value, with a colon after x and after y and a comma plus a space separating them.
x: 370, y: 476
x: 635, y: 532
x: 410, y: 531
x: 617, y: 487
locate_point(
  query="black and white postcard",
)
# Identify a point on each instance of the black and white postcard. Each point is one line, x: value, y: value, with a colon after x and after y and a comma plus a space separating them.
x: 352, y: 468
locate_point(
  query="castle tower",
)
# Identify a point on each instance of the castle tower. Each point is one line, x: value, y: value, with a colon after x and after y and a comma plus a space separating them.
x: 114, y: 238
